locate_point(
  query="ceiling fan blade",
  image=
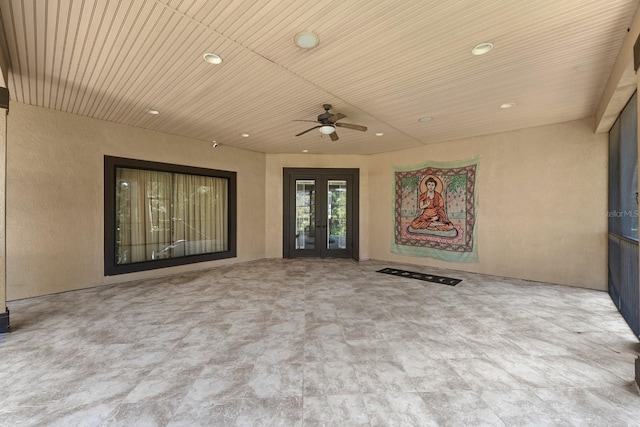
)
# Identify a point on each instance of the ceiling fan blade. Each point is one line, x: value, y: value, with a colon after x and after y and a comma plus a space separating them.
x: 308, y: 130
x: 334, y: 136
x: 312, y: 121
x: 336, y: 117
x: 350, y: 126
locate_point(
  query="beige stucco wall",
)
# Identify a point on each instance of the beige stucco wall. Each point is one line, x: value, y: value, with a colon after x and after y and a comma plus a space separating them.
x: 55, y: 196
x: 542, y: 213
x: 542, y: 203
x: 273, y: 212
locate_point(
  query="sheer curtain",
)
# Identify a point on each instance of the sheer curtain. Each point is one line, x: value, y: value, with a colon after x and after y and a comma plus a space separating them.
x: 143, y: 209
x: 163, y: 215
x: 200, y: 215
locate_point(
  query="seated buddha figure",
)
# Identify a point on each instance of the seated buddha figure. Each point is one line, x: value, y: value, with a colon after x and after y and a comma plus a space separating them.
x: 433, y: 216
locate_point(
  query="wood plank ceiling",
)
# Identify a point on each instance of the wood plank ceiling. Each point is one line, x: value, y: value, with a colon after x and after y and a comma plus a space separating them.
x: 383, y: 63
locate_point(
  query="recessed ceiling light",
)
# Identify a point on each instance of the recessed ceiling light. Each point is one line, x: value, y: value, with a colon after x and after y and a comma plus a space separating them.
x: 482, y: 48
x: 305, y: 151
x: 152, y: 111
x: 425, y: 119
x: 212, y: 58
x: 307, y: 40
x: 379, y: 134
x: 508, y: 105
x: 244, y: 135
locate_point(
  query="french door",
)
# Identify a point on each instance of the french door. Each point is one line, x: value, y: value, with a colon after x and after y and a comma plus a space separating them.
x: 320, y: 213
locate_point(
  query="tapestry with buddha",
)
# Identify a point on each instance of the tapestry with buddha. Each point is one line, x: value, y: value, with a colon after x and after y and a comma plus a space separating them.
x: 436, y: 211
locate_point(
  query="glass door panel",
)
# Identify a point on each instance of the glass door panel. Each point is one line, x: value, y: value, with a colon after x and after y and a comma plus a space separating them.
x: 305, y: 211
x: 336, y: 214
x: 318, y: 212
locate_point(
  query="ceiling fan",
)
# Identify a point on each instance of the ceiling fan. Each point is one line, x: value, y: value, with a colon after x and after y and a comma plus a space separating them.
x: 327, y: 123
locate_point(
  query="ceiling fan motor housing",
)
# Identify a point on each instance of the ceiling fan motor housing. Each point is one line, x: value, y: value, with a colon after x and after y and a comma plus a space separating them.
x: 323, y: 118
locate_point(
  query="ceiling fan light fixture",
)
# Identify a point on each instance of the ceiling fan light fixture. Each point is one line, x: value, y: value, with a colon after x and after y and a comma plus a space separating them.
x: 307, y: 40
x: 327, y: 129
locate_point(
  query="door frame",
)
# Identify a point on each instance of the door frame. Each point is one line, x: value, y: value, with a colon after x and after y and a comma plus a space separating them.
x: 353, y: 204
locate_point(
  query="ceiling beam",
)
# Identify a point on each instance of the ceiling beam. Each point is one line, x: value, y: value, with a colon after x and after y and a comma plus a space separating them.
x: 622, y: 81
x: 4, y: 58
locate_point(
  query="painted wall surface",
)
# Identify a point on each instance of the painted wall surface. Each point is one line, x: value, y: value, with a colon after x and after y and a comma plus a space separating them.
x: 55, y: 196
x: 542, y: 203
x: 274, y: 165
x: 542, y: 207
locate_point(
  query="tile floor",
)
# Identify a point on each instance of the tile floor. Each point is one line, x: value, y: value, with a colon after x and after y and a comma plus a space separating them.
x: 319, y: 342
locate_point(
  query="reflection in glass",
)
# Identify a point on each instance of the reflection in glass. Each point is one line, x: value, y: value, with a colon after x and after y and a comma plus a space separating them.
x: 337, y: 214
x: 163, y: 215
x: 305, y: 214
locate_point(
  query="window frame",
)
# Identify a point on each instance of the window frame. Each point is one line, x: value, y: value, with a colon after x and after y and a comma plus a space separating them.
x: 110, y: 165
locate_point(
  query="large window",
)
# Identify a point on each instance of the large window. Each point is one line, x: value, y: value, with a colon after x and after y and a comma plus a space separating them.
x: 160, y: 215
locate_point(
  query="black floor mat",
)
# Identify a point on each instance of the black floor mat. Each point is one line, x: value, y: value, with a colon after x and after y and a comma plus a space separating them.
x: 421, y: 276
